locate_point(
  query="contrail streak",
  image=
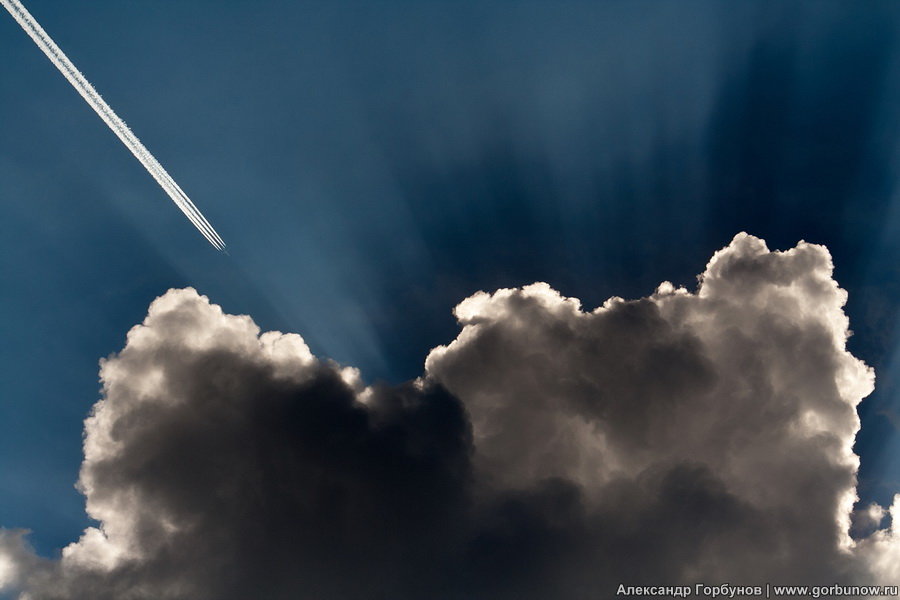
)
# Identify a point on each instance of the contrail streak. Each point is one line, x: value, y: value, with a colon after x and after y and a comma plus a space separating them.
x: 87, y: 91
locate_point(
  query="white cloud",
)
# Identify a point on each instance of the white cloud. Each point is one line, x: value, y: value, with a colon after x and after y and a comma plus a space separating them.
x: 16, y: 558
x: 681, y: 437
x: 880, y: 552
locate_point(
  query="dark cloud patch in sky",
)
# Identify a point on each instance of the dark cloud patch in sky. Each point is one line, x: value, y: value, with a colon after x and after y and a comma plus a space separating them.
x: 545, y: 452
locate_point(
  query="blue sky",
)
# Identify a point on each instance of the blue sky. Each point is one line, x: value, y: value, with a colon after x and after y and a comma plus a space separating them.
x: 371, y: 164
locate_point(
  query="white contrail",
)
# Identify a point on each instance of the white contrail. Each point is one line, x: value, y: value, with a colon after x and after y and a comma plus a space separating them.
x: 87, y: 91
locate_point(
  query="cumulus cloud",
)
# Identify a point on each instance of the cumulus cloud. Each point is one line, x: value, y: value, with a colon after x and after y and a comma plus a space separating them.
x: 547, y: 451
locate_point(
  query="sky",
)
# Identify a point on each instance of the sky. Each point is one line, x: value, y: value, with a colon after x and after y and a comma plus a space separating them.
x: 372, y: 165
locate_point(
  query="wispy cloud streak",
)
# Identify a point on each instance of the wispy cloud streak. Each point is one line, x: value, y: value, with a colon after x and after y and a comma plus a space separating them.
x: 87, y: 91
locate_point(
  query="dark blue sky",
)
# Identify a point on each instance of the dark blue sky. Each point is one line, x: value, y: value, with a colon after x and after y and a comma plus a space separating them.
x: 371, y: 164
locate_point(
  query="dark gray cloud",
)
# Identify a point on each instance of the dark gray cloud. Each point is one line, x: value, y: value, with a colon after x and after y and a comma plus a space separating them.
x: 546, y: 452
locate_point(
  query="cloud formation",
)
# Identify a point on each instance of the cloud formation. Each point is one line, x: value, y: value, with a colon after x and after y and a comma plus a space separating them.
x: 545, y: 452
